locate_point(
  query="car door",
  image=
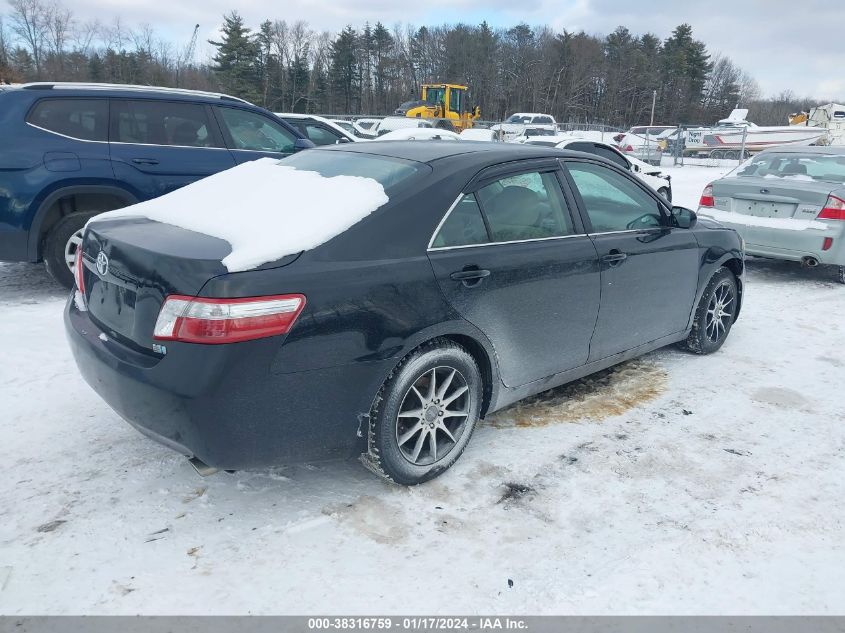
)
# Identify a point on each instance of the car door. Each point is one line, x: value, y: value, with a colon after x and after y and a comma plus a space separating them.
x: 512, y: 258
x: 251, y: 135
x: 158, y: 146
x: 649, y: 268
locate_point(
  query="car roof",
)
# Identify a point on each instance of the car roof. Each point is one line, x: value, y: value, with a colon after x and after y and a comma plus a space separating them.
x: 77, y: 88
x: 480, y: 152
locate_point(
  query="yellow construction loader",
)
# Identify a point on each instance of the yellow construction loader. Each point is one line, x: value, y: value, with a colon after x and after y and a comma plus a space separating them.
x: 445, y: 102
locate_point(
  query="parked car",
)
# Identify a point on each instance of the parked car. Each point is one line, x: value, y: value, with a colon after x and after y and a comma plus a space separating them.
x: 71, y: 151
x: 642, y: 142
x: 365, y: 127
x: 317, y: 129
x: 345, y: 125
x: 787, y: 203
x: 516, y: 123
x: 419, y: 134
x: 654, y: 178
x: 392, y: 123
x: 484, y: 273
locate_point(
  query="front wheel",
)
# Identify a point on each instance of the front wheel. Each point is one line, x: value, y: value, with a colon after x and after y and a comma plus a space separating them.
x: 715, y: 314
x: 424, y: 414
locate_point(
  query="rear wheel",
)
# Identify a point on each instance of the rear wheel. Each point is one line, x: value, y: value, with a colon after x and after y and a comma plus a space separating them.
x: 840, y: 275
x: 714, y: 315
x: 424, y: 414
x: 61, y: 245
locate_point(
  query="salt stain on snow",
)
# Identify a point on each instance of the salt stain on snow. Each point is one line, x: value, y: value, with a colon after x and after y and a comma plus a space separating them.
x: 608, y: 393
x: 265, y: 210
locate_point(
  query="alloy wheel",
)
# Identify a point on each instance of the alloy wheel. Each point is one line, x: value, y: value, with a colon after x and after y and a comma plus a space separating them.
x: 720, y: 311
x: 71, y: 246
x: 433, y: 416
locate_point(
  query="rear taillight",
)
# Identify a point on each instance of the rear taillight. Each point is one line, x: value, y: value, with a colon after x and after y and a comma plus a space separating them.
x: 707, y: 197
x: 834, y: 209
x: 78, y: 269
x: 216, y: 321
x: 628, y: 148
x: 827, y: 243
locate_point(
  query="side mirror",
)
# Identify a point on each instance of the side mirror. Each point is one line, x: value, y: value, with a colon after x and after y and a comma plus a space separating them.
x: 683, y: 218
x: 343, y: 139
x: 302, y: 143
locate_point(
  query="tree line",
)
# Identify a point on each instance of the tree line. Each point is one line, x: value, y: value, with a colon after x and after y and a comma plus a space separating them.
x: 288, y: 66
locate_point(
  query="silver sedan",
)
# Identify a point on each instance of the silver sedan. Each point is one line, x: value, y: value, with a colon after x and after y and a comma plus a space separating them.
x: 786, y: 203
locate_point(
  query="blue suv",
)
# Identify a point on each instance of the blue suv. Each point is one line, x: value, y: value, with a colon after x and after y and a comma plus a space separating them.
x: 71, y: 151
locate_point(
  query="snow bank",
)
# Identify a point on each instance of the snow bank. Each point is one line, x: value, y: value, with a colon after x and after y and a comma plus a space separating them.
x: 788, y: 224
x: 263, y: 209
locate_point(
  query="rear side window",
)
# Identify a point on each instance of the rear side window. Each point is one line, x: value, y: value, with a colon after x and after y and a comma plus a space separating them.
x: 320, y: 135
x: 613, y: 157
x: 252, y: 131
x: 464, y: 226
x: 162, y: 123
x: 85, y: 119
x: 525, y: 207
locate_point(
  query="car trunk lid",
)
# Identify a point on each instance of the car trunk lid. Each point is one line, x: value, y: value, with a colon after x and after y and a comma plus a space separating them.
x: 771, y: 197
x: 132, y: 264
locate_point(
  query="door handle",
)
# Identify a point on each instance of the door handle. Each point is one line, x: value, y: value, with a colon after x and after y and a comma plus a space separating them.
x: 470, y: 276
x: 614, y: 258
x: 145, y: 161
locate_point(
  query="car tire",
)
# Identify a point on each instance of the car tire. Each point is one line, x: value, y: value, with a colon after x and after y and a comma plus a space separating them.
x: 714, y: 315
x: 60, y: 246
x: 409, y: 413
x: 840, y: 275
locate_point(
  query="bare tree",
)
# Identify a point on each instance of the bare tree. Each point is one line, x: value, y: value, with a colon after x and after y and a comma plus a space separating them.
x: 29, y: 22
x: 59, y: 27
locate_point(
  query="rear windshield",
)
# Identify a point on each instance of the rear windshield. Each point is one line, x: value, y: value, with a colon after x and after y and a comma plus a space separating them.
x: 808, y: 167
x: 386, y: 170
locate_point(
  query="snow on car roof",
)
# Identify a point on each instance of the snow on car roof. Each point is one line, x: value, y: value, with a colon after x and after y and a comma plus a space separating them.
x: 265, y: 210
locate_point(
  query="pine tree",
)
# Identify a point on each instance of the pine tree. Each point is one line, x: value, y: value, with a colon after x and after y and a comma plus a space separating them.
x: 344, y: 73
x: 235, y: 62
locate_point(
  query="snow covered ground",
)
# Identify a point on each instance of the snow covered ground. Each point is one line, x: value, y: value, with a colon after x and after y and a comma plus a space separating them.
x: 672, y: 484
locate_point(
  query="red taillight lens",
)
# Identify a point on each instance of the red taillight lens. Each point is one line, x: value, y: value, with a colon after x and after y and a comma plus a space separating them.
x: 628, y: 148
x: 77, y: 271
x: 707, y: 197
x: 834, y: 209
x: 216, y: 321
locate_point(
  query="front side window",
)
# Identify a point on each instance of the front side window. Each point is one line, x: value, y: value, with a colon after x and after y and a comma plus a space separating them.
x: 320, y: 135
x: 524, y: 207
x: 612, y: 201
x: 435, y: 96
x: 464, y: 226
x: 85, y: 119
x: 253, y: 131
x: 150, y: 122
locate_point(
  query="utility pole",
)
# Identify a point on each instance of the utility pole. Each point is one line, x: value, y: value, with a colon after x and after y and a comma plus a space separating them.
x: 653, y: 102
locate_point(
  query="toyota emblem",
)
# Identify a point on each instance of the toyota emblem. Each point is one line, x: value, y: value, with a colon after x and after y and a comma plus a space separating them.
x: 102, y: 264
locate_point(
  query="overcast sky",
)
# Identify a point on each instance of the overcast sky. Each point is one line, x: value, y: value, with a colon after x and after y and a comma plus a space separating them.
x: 785, y: 44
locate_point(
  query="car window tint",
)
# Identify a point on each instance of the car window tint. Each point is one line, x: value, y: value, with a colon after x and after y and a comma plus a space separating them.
x: 612, y: 201
x: 162, y: 123
x: 253, y: 131
x: 464, y: 226
x: 581, y: 146
x: 320, y: 135
x: 609, y: 154
x: 524, y: 207
x: 85, y: 119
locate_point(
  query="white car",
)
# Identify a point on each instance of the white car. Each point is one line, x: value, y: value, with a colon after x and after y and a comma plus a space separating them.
x: 391, y: 123
x: 653, y: 177
x: 365, y: 127
x: 419, y: 134
x: 517, y: 123
x: 317, y: 129
x: 642, y: 142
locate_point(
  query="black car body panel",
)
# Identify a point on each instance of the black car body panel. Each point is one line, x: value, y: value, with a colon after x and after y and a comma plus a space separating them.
x: 550, y: 311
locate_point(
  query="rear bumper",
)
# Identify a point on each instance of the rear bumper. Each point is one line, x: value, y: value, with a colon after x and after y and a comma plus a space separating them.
x: 783, y: 243
x: 222, y: 403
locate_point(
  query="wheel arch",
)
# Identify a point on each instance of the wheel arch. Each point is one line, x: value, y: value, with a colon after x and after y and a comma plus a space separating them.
x: 61, y: 202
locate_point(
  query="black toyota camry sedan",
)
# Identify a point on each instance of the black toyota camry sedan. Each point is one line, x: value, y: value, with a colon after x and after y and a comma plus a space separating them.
x: 492, y: 272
